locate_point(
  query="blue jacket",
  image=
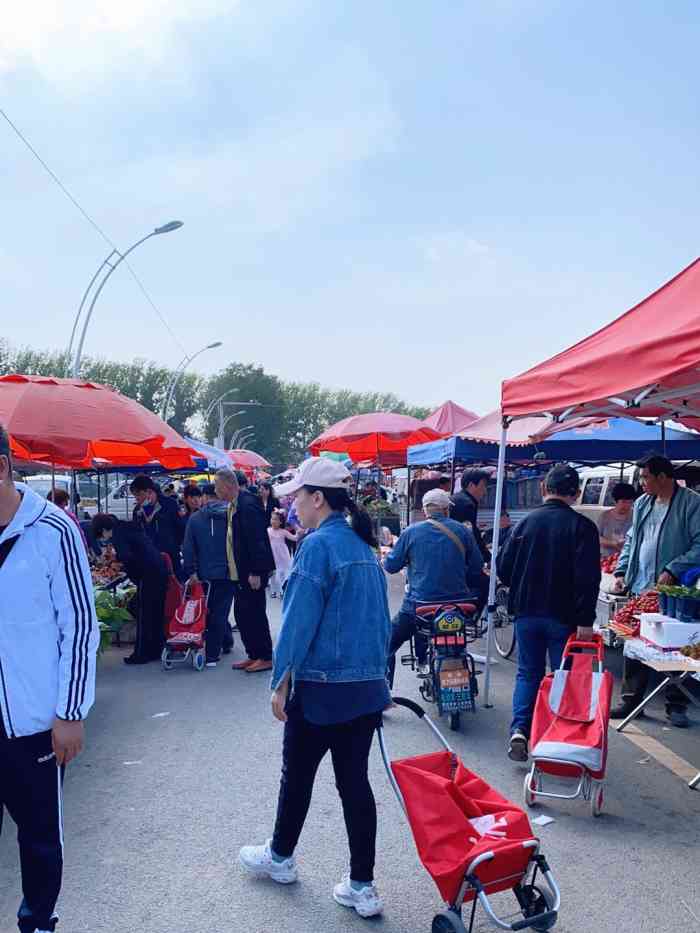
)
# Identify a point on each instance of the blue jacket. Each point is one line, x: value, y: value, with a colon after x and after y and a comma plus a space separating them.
x: 335, y: 615
x: 436, y: 568
x: 204, y: 550
x: 678, y: 548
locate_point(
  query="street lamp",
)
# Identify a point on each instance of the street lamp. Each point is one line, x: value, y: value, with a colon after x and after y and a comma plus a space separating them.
x: 220, y: 441
x: 184, y: 363
x: 237, y: 436
x: 111, y: 264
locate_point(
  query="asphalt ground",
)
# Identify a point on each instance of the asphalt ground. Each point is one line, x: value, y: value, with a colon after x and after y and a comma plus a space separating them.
x: 181, y: 769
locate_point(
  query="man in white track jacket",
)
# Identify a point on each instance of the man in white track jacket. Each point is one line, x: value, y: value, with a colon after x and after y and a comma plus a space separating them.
x: 48, y: 646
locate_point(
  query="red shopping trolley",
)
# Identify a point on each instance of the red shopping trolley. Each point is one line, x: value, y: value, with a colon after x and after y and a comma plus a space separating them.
x: 569, y: 736
x: 473, y: 842
x: 185, y: 643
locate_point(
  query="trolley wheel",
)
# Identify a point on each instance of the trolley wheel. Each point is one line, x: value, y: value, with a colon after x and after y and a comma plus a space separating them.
x: 541, y: 901
x: 503, y: 629
x: 529, y: 794
x: 447, y: 921
x: 597, y: 797
x: 454, y: 721
x: 165, y: 660
x: 199, y: 661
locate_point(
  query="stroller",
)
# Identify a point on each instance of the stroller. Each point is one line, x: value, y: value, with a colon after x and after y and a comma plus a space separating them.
x: 186, y: 629
x: 569, y: 736
x: 473, y: 842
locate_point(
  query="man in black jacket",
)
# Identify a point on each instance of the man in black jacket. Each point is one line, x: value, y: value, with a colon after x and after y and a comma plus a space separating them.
x: 551, y: 563
x: 159, y: 517
x: 465, y: 505
x: 250, y: 563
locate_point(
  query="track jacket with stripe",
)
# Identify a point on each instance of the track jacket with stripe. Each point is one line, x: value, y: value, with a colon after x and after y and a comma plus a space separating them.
x: 48, y: 628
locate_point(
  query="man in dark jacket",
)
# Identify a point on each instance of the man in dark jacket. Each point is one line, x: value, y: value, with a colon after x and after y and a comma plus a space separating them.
x: 159, y: 517
x: 250, y: 563
x: 465, y: 505
x: 204, y: 553
x: 551, y: 563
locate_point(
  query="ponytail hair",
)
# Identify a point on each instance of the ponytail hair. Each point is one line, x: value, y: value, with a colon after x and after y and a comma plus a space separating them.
x: 340, y: 501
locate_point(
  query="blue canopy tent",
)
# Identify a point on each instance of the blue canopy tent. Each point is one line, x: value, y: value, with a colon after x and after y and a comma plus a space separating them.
x: 215, y: 459
x: 612, y: 441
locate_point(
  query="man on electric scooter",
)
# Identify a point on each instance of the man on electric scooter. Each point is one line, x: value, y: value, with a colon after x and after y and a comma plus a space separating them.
x: 443, y: 564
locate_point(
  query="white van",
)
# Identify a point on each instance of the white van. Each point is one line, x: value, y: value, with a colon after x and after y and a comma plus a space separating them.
x: 597, y: 484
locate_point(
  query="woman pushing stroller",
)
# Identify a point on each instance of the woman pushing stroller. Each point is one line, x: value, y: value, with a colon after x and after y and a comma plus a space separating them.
x: 329, y: 686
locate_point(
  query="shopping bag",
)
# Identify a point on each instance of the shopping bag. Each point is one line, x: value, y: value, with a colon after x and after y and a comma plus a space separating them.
x: 455, y: 816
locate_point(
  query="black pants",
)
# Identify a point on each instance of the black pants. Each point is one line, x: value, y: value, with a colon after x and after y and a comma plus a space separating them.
x: 250, y: 612
x: 305, y: 746
x: 403, y: 626
x: 30, y: 790
x: 635, y: 680
x: 150, y: 623
x: 218, y: 609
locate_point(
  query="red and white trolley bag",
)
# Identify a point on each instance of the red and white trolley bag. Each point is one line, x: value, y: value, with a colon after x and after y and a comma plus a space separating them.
x: 569, y: 736
x: 187, y: 629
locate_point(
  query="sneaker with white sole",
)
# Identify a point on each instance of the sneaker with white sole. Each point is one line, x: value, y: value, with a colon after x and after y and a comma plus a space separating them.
x: 366, y: 901
x: 517, y: 747
x: 259, y: 861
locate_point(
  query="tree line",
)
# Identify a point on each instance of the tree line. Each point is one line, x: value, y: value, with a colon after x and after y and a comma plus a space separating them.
x: 285, y: 418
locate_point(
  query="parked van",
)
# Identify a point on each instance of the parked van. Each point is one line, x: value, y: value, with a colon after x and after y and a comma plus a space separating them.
x: 597, y: 484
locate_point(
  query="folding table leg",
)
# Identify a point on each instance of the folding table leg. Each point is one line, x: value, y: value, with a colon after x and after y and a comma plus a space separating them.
x: 695, y: 782
x: 647, y: 699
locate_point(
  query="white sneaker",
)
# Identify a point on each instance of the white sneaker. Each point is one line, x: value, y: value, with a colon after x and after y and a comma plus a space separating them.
x: 258, y: 860
x: 365, y: 901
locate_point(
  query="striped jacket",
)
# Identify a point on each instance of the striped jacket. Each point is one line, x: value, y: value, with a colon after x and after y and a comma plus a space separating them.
x: 48, y: 627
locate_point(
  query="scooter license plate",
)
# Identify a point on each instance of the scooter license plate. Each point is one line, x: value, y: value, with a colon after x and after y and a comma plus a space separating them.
x: 456, y: 679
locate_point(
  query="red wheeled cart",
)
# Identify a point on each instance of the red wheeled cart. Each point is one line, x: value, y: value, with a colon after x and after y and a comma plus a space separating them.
x: 473, y: 842
x: 185, y: 643
x: 569, y: 736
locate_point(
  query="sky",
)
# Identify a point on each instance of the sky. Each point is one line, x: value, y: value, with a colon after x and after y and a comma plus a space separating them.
x: 423, y: 198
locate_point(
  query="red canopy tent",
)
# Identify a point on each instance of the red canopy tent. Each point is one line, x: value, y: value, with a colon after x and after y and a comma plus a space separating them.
x: 380, y: 437
x: 645, y: 364
x: 82, y: 425
x: 450, y: 418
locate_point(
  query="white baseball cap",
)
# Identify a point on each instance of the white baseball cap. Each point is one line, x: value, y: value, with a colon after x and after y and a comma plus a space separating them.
x: 437, y: 497
x: 317, y: 471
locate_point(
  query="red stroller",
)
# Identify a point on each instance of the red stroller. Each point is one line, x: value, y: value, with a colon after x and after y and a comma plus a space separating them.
x: 569, y: 736
x: 186, y: 629
x: 473, y: 842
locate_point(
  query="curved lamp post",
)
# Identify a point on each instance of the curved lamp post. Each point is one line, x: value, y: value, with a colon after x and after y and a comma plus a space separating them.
x: 184, y: 363
x: 111, y: 264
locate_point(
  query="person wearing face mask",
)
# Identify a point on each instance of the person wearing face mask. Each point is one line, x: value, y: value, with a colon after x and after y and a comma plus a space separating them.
x: 328, y: 682
x: 145, y: 567
x: 158, y: 517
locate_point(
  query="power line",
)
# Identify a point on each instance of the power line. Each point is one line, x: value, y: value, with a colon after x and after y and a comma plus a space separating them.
x: 94, y: 224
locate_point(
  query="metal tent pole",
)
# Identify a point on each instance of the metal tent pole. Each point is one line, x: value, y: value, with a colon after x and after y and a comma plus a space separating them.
x: 500, y: 475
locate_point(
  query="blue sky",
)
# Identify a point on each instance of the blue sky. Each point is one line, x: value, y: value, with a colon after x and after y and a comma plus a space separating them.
x: 422, y: 197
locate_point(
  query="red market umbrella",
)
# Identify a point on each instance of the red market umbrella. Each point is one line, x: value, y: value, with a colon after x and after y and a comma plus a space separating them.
x: 381, y: 437
x: 80, y: 425
x: 247, y: 459
x: 450, y: 419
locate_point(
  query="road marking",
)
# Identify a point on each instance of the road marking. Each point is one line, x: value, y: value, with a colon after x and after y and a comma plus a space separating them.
x: 664, y: 756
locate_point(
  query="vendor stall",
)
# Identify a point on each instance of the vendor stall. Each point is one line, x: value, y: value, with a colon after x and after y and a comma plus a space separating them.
x: 651, y: 371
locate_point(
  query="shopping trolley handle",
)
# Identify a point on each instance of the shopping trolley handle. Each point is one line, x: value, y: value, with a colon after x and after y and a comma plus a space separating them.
x: 409, y: 704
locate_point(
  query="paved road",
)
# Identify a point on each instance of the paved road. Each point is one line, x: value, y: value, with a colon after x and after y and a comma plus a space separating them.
x: 158, y: 806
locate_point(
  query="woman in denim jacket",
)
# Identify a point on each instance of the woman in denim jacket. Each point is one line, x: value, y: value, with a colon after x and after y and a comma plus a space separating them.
x: 332, y: 652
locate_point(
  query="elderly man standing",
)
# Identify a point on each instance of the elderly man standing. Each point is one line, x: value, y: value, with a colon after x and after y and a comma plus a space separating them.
x: 444, y: 563
x: 662, y: 544
x: 250, y: 562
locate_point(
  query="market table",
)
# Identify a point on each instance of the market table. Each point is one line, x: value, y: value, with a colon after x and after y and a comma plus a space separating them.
x: 674, y: 665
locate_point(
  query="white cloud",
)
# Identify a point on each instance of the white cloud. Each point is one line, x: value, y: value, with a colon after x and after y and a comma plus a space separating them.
x: 67, y: 39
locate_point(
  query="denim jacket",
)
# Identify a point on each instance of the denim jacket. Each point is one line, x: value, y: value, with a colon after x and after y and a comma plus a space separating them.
x: 436, y: 567
x: 335, y: 615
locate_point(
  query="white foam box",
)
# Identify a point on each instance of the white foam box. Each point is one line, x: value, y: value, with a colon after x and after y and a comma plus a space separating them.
x: 666, y: 633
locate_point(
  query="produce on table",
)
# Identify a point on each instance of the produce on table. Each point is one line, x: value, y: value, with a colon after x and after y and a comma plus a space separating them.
x: 626, y: 619
x: 692, y: 651
x: 608, y: 564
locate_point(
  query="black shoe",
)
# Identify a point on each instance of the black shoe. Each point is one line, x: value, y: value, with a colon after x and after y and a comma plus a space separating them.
x: 136, y: 659
x: 227, y: 650
x: 623, y: 710
x: 678, y: 718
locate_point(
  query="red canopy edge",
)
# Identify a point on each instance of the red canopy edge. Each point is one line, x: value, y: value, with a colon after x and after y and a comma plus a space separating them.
x: 645, y: 363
